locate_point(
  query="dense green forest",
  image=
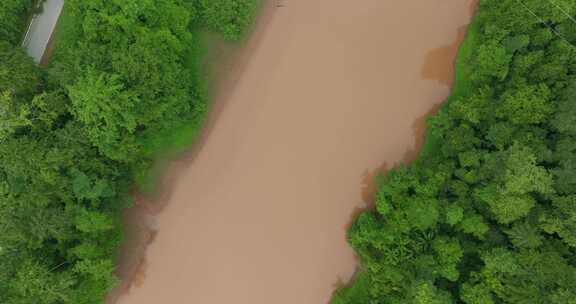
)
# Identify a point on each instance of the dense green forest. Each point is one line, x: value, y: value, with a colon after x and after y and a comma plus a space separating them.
x: 487, y: 214
x: 75, y: 135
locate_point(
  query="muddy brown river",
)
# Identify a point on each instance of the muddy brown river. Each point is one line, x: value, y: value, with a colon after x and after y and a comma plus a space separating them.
x: 326, y: 94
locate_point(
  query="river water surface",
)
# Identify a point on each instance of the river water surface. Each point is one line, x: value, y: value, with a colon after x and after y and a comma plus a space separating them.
x: 328, y: 94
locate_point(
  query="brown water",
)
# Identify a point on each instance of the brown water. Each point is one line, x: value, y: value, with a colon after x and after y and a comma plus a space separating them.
x: 327, y: 94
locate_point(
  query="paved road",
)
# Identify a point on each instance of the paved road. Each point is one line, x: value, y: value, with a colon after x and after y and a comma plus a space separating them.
x: 41, y: 29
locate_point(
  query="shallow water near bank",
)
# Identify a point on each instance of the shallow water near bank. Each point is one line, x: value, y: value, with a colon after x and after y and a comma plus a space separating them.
x: 326, y: 94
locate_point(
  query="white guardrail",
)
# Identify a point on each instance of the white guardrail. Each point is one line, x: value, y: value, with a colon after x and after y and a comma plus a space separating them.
x: 27, y: 36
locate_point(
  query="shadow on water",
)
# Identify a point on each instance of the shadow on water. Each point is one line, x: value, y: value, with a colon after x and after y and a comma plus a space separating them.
x: 437, y: 61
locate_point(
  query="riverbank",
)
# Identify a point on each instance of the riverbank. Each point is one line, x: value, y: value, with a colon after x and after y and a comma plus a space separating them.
x: 482, y: 215
x: 261, y: 210
x: 222, y: 67
x: 356, y: 291
x: 76, y: 133
x: 462, y: 81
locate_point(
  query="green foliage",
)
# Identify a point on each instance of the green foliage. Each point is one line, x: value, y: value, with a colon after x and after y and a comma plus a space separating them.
x: 454, y: 214
x: 18, y: 74
x: 13, y: 15
x: 74, y: 136
x: 231, y: 18
x: 565, y: 118
x: 526, y: 105
x: 12, y: 117
x: 492, y: 61
x: 561, y: 219
x: 525, y: 235
x: 486, y: 215
x: 100, y: 102
x: 34, y: 282
x: 356, y: 293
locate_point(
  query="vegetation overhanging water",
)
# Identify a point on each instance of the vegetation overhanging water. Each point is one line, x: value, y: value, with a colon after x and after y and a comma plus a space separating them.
x: 124, y: 77
x: 487, y: 212
x: 485, y: 215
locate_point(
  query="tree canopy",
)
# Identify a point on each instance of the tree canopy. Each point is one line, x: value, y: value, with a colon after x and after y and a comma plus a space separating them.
x: 73, y: 135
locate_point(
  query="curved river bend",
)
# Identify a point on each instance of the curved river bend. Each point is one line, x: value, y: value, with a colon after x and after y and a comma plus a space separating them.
x: 332, y: 92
